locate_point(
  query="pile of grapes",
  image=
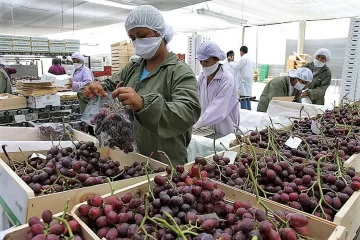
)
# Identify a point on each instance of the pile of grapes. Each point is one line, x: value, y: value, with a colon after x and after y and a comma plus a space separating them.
x: 64, y: 228
x: 116, y: 122
x: 188, y: 207
x: 68, y: 168
x: 317, y: 187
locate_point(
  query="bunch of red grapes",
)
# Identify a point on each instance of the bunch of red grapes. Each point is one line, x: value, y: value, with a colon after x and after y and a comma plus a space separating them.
x: 46, y: 230
x: 291, y: 181
x: 117, y: 123
x: 178, y: 209
x: 67, y: 168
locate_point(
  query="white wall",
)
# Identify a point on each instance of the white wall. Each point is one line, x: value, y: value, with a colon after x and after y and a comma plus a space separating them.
x: 272, y: 38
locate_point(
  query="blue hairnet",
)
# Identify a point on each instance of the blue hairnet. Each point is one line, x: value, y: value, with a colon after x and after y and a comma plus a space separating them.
x: 78, y: 55
x: 325, y: 52
x: 210, y: 49
x: 149, y: 17
x: 301, y: 73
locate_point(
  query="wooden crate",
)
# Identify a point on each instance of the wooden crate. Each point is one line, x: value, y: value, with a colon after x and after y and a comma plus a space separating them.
x: 344, y: 216
x: 20, y: 202
x: 20, y: 232
x: 8, y: 101
x: 318, y: 228
x: 354, y: 161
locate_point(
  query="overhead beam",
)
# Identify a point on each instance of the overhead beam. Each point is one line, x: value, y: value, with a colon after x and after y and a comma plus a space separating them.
x: 301, y: 37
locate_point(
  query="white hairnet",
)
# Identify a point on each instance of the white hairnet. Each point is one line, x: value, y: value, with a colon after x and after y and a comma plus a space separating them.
x: 210, y: 49
x: 78, y: 55
x: 149, y: 17
x: 325, y: 52
x: 301, y: 73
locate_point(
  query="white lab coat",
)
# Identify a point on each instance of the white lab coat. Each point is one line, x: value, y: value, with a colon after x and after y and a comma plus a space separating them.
x: 229, y: 68
x: 244, y: 75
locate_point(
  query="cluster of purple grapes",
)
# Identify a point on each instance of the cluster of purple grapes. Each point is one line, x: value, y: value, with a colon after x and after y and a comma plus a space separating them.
x: 117, y: 123
x: 178, y: 209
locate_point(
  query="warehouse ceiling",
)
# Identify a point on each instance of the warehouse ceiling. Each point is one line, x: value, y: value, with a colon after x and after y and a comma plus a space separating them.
x: 44, y: 17
x: 40, y: 17
x: 262, y: 12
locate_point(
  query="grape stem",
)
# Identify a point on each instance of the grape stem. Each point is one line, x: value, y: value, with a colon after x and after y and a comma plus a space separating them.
x: 12, y: 164
x: 65, y: 222
x: 27, y: 163
x: 322, y: 199
x: 146, y: 217
x: 65, y: 208
x: 170, y: 163
x: 147, y: 175
x: 111, y: 186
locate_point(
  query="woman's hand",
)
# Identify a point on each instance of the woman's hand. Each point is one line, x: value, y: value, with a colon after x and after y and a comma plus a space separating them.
x: 129, y: 97
x: 304, y: 94
x: 94, y: 89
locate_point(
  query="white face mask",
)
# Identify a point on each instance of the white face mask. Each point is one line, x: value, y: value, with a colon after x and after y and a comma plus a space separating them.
x: 147, y: 47
x: 210, y: 70
x: 77, y: 65
x: 318, y: 63
x: 299, y: 86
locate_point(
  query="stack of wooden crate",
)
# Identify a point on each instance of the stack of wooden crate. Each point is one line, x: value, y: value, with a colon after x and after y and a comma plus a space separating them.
x: 296, y: 61
x: 120, y: 54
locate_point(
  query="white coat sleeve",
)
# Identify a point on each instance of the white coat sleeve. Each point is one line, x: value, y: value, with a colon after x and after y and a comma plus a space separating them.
x: 221, y: 106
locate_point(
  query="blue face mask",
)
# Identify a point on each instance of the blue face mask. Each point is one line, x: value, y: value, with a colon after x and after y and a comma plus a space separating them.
x: 147, y: 47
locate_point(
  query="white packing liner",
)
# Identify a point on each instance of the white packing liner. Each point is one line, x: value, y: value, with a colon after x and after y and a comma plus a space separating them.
x: 28, y: 139
x: 204, y: 146
x: 292, y: 109
x: 251, y: 120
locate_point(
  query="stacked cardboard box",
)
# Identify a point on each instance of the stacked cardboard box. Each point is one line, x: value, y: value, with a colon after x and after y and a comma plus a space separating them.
x: 21, y: 44
x: 39, y: 45
x: 296, y: 61
x: 72, y: 45
x: 120, y: 55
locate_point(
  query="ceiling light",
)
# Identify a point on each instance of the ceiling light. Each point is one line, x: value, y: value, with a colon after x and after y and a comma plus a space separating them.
x: 112, y: 4
x: 227, y: 18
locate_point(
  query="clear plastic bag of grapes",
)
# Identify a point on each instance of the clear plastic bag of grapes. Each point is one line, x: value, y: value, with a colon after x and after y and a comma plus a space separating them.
x: 55, y: 131
x: 93, y: 107
x: 114, y: 126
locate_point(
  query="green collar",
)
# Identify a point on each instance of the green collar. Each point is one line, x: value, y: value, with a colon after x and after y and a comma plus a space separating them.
x: 140, y: 62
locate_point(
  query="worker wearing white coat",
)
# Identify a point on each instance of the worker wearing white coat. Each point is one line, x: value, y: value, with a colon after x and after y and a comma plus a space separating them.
x: 244, y: 72
x: 229, y: 59
x: 217, y: 92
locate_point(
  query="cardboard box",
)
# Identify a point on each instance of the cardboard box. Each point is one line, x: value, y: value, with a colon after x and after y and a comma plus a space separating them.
x: 40, y: 44
x: 57, y: 49
x: 21, y: 43
x: 6, y: 48
x: 8, y: 101
x: 6, y: 42
x: 40, y: 49
x: 290, y: 63
x: 292, y: 57
x: 21, y: 49
x: 43, y: 101
x: 53, y: 41
x: 5, y: 37
x: 72, y: 50
x: 40, y: 39
x: 56, y: 80
x: 72, y: 41
x: 20, y: 38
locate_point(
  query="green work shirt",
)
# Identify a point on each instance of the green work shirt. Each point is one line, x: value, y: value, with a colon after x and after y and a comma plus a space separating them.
x: 5, y: 84
x: 317, y: 88
x: 171, y: 106
x: 278, y: 87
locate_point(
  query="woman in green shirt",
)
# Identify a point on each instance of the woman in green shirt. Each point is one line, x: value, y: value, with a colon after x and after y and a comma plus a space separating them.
x: 160, y: 88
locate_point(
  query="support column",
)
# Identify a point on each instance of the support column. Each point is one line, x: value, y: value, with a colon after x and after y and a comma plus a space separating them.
x: 301, y: 37
x: 243, y: 37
